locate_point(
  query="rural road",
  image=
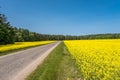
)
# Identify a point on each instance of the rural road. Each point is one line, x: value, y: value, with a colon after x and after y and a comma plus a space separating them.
x: 20, y: 64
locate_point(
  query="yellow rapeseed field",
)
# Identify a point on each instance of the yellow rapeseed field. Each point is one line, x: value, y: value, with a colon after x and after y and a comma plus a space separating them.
x: 96, y: 59
x: 19, y: 45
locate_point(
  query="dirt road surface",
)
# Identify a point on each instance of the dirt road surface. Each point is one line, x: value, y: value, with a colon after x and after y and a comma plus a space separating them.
x: 18, y: 65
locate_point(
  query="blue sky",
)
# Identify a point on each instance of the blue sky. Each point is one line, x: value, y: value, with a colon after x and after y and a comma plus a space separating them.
x: 73, y: 17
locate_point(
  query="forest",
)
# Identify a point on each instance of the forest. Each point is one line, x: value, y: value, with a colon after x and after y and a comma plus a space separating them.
x: 10, y: 34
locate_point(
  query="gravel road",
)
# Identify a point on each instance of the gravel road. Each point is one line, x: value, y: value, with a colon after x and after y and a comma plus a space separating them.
x: 20, y: 64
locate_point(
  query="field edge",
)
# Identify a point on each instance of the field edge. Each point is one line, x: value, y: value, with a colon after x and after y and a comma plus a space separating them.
x: 58, y: 65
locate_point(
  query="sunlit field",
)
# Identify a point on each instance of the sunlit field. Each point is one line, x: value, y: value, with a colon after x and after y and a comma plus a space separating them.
x: 96, y: 59
x: 19, y: 45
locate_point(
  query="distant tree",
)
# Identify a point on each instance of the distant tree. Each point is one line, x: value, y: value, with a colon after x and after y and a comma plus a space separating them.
x: 18, y: 35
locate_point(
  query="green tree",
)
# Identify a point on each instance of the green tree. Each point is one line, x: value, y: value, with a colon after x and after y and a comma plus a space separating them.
x: 7, y: 33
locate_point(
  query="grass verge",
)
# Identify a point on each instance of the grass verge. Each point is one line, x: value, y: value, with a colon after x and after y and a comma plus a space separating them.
x: 57, y: 66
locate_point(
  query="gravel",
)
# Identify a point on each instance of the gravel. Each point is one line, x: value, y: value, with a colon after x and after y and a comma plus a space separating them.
x: 18, y: 65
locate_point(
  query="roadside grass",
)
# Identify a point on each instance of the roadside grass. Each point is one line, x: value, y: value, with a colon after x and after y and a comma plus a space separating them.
x: 57, y: 66
x: 17, y: 49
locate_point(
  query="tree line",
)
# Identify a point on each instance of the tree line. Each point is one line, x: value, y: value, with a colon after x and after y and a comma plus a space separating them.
x: 10, y: 34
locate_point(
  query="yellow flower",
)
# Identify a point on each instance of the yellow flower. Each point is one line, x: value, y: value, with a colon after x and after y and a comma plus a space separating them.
x: 19, y: 45
x: 97, y: 59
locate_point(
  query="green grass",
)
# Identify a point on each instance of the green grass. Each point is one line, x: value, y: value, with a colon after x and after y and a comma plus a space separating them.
x: 57, y: 66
